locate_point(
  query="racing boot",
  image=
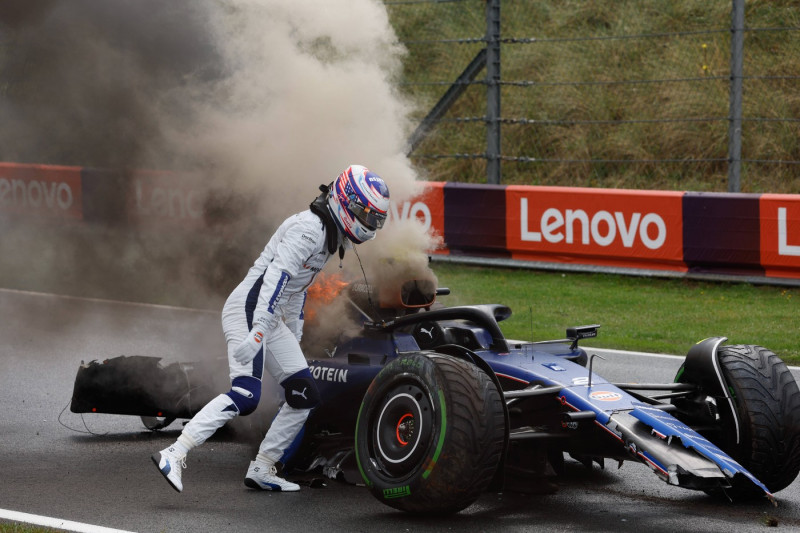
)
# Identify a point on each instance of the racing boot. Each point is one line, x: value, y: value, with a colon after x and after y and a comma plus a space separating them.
x: 170, y: 463
x: 264, y: 477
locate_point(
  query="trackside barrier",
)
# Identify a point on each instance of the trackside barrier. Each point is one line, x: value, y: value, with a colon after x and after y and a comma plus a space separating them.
x: 721, y: 233
x: 41, y: 190
x: 744, y: 235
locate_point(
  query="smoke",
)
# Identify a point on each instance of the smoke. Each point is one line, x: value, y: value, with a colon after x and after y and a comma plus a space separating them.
x: 260, y: 101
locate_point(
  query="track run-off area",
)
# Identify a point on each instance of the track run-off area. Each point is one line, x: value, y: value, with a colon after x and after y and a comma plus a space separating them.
x: 93, y: 472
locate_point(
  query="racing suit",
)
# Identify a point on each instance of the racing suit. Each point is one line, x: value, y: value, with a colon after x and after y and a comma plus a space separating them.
x: 272, y: 295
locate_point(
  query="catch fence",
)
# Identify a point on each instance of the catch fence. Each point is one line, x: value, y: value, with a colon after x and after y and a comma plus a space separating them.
x: 689, y: 95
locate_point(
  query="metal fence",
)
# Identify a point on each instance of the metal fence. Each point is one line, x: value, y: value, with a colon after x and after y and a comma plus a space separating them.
x: 688, y: 95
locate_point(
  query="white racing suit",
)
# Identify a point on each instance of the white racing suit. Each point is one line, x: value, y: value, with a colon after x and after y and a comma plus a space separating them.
x: 274, y: 293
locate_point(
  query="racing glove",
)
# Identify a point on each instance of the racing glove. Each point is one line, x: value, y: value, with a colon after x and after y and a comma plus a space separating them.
x: 250, y: 346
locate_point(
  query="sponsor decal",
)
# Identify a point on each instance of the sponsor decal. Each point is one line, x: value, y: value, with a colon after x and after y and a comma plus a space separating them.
x: 427, y: 208
x: 599, y: 226
x: 325, y: 373
x: 584, y: 380
x: 554, y: 367
x: 397, y: 492
x: 316, y: 262
x: 258, y: 337
x: 156, y: 197
x: 276, y: 296
x: 605, y: 396
x: 780, y: 234
x: 602, y: 229
x: 301, y: 393
x: 409, y: 362
x: 41, y: 190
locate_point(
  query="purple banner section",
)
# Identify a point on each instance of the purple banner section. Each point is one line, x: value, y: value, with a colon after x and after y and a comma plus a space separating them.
x: 475, y: 219
x: 105, y: 193
x: 721, y: 233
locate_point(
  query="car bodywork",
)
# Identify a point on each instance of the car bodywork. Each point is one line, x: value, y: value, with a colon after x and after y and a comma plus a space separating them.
x: 553, y: 403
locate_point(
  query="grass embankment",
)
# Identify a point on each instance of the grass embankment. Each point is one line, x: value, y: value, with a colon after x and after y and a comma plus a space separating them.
x: 25, y: 528
x: 661, y: 93
x: 646, y: 314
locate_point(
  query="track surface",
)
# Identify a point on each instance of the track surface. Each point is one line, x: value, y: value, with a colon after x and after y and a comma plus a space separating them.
x: 106, y: 478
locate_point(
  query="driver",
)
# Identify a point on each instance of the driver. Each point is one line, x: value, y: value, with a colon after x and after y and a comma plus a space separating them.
x: 263, y: 323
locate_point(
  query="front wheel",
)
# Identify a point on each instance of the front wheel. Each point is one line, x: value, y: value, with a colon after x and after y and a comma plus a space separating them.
x: 767, y: 400
x: 430, y: 433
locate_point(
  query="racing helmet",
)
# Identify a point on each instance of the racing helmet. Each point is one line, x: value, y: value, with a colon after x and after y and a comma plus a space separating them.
x: 359, y: 203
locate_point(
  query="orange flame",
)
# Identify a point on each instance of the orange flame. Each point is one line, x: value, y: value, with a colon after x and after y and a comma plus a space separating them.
x: 322, y: 292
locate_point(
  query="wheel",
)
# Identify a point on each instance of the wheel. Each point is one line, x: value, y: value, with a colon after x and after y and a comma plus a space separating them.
x: 154, y: 423
x: 430, y: 433
x: 767, y: 401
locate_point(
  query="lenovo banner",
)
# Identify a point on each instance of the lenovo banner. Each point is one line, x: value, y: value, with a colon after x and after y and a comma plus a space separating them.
x: 427, y: 208
x: 41, y: 190
x: 157, y: 198
x: 780, y: 235
x: 610, y: 227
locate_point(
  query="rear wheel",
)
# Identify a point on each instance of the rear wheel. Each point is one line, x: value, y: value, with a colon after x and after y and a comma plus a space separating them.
x: 430, y: 433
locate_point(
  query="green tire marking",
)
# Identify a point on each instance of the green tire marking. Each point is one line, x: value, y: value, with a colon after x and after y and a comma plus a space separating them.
x: 396, y: 492
x: 440, y: 444
x: 358, y: 457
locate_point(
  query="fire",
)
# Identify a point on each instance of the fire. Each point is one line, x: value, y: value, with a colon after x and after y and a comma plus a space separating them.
x: 322, y: 292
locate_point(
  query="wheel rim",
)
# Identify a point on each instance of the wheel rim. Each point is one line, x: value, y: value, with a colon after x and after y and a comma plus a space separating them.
x: 402, y: 430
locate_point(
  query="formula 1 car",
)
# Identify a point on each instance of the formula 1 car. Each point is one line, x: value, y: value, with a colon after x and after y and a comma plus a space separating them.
x: 429, y: 406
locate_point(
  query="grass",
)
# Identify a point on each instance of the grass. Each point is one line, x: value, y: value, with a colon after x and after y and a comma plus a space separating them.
x: 581, y: 111
x: 636, y: 313
x: 25, y: 528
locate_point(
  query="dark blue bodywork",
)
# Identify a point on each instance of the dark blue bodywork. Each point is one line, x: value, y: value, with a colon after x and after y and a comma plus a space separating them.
x: 553, y: 398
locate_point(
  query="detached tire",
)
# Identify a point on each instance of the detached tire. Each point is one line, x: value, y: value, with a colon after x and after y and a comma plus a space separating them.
x: 430, y: 434
x: 767, y: 400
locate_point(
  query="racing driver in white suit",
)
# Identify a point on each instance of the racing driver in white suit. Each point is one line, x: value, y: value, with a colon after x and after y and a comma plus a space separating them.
x: 263, y: 324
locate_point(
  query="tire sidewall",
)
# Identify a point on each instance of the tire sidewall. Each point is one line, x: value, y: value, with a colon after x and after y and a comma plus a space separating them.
x: 419, y: 372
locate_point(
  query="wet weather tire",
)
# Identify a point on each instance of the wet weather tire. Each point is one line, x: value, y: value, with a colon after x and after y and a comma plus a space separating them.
x: 767, y: 401
x: 430, y: 434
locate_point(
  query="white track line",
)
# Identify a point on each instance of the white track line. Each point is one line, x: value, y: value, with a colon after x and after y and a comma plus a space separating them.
x: 56, y: 523
x: 656, y: 355
x: 107, y: 301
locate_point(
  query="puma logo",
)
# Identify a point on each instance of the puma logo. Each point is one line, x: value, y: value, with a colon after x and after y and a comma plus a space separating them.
x: 429, y: 332
x: 298, y: 393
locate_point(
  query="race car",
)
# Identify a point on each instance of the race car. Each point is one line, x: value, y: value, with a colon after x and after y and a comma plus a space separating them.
x: 429, y: 406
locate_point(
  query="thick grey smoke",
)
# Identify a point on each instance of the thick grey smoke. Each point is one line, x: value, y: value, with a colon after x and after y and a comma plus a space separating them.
x: 259, y: 100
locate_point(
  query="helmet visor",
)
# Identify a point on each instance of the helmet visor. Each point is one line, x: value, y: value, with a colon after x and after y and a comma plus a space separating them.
x: 372, y: 219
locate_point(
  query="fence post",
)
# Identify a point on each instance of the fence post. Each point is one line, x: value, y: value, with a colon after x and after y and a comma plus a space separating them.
x: 735, y: 117
x: 493, y: 91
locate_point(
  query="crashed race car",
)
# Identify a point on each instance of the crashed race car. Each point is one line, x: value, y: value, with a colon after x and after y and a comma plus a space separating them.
x: 429, y: 406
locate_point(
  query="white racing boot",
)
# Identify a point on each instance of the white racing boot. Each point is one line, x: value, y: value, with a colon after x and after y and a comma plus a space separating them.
x: 171, y: 463
x: 264, y: 477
